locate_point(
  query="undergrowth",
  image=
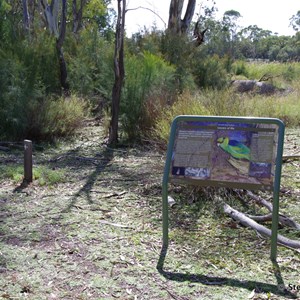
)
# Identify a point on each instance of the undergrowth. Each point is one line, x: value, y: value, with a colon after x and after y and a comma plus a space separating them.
x: 42, y: 175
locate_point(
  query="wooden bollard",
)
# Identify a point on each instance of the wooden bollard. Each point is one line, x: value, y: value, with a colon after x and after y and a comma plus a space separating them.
x: 27, y: 161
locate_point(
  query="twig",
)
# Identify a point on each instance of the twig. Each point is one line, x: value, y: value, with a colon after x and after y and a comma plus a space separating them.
x: 115, y: 224
x: 142, y: 7
x: 290, y: 157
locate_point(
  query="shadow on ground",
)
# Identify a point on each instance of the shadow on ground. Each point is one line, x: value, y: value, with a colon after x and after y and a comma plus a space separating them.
x: 259, y: 286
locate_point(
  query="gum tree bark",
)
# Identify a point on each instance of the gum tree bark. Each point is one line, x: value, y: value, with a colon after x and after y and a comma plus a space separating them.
x: 77, y: 14
x: 58, y: 29
x: 119, y: 71
x: 59, y: 44
x: 175, y: 23
x: 26, y: 18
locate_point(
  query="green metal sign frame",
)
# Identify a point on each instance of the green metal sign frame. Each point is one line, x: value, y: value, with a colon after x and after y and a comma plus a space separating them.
x: 221, y: 123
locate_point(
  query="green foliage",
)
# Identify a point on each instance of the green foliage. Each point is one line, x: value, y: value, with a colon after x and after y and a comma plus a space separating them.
x: 43, y: 175
x: 239, y: 68
x: 223, y: 103
x: 285, y: 107
x: 90, y: 65
x: 186, y: 104
x: 41, y: 119
x: 211, y: 72
x: 60, y: 117
x: 179, y: 51
x: 277, y: 72
x: 28, y: 77
x: 148, y: 78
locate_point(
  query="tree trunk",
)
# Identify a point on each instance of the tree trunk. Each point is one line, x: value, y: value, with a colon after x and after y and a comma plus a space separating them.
x: 62, y: 70
x: 186, y: 22
x: 58, y: 29
x: 26, y: 19
x: 119, y: 71
x: 59, y: 44
x: 77, y: 15
x: 175, y: 24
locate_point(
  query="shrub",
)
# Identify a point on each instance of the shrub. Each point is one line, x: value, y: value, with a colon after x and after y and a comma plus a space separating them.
x: 148, y: 78
x: 210, y: 72
x: 223, y: 102
x: 285, y: 108
x: 56, y: 118
x: 90, y: 65
x: 239, y: 68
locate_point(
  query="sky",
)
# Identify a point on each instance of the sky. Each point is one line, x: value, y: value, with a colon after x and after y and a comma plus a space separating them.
x: 271, y: 15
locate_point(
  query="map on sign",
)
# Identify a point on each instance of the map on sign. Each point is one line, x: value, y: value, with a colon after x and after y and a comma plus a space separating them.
x: 240, y: 155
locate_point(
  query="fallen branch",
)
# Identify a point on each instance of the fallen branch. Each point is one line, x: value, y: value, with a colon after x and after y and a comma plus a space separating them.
x: 260, y: 201
x: 267, y: 77
x: 284, y: 220
x: 287, y: 158
x: 248, y: 222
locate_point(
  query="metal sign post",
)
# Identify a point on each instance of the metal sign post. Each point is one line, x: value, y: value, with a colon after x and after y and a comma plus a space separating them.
x: 234, y: 152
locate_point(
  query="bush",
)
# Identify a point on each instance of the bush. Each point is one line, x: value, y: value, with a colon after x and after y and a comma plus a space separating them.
x: 56, y: 118
x: 239, y: 68
x: 211, y: 72
x: 179, y: 51
x: 90, y: 65
x: 148, y: 79
x: 41, y: 119
x: 223, y: 102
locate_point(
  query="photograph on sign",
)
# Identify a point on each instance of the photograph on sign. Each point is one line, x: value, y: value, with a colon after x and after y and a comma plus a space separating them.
x: 219, y: 153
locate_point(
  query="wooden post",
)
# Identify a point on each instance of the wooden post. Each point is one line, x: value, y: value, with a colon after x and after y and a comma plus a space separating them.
x: 27, y: 161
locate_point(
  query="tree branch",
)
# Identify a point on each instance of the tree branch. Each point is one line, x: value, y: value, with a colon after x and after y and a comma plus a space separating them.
x: 283, y: 220
x: 260, y: 201
x: 142, y: 7
x: 246, y: 221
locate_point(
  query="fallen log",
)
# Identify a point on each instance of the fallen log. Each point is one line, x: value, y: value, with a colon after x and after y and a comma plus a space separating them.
x: 248, y: 222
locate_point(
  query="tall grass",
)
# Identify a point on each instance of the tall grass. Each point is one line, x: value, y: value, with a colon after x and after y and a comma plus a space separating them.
x: 286, y: 108
x: 279, y: 74
x: 228, y: 103
x: 186, y: 104
x: 148, y: 79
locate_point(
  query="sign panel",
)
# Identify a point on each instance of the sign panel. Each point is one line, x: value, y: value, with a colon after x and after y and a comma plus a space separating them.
x: 221, y: 153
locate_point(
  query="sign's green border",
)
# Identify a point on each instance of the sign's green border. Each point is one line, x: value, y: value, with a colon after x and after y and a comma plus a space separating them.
x: 277, y: 177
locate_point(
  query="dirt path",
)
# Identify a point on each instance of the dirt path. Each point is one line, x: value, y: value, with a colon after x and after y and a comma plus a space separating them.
x: 97, y: 234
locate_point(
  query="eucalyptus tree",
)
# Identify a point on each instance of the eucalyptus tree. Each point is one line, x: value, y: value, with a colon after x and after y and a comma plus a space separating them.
x: 119, y: 72
x: 176, y: 24
x: 251, y: 41
x: 295, y: 21
x: 229, y: 31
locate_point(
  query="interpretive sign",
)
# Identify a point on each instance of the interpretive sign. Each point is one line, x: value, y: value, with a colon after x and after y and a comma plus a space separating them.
x: 232, y: 152
x: 240, y: 155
